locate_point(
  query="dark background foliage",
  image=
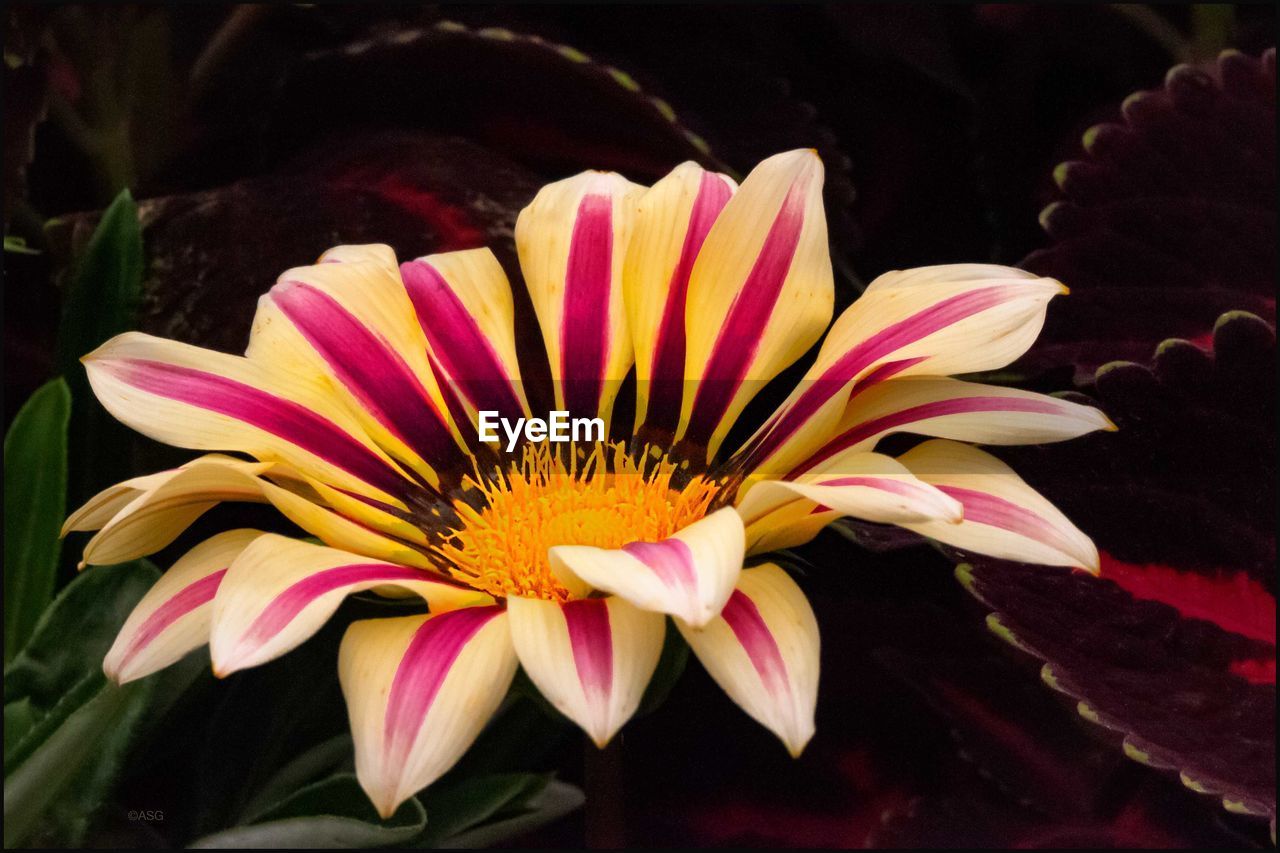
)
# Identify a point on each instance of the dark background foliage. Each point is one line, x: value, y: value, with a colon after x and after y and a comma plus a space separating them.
x: 257, y: 136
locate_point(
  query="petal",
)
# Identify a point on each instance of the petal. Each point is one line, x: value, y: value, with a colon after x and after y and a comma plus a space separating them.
x: 197, y: 398
x: 763, y: 651
x: 280, y: 591
x: 869, y: 486
x: 173, y: 617
x: 673, y: 219
x: 962, y: 411
x: 957, y: 318
x: 338, y: 531
x: 1003, y: 516
x: 572, y: 240
x: 350, y: 326
x: 463, y: 304
x: 103, y: 506
x: 787, y: 526
x: 690, y: 575
x: 419, y: 689
x: 760, y: 292
x: 157, y: 515
x: 592, y: 657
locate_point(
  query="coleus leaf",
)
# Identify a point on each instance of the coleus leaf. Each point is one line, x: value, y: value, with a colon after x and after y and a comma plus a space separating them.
x: 1167, y: 218
x: 1174, y: 647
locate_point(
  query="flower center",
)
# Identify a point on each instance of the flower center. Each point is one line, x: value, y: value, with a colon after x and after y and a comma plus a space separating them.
x: 602, y: 498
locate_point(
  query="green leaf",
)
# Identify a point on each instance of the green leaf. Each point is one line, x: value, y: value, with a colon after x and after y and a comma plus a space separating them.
x: 53, y: 794
x: 101, y: 301
x: 35, y: 499
x: 79, y: 727
x: 19, y: 719
x: 553, y: 802
x: 323, y: 758
x: 75, y: 633
x: 468, y: 803
x: 18, y: 246
x: 333, y: 813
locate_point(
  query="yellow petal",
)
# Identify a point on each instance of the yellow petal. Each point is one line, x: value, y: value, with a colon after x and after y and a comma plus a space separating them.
x: 173, y: 617
x: 689, y: 575
x: 279, y: 592
x: 760, y: 293
x: 419, y: 689
x: 673, y: 219
x: 572, y: 240
x: 592, y: 657
x: 763, y: 651
x: 1003, y: 516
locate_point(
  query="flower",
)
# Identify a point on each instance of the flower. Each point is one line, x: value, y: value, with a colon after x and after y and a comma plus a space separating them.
x: 356, y: 406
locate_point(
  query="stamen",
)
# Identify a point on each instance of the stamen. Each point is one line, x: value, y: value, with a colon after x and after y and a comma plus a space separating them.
x: 601, y: 497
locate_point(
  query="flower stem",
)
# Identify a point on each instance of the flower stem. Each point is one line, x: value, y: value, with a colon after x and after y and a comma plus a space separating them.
x: 605, y: 815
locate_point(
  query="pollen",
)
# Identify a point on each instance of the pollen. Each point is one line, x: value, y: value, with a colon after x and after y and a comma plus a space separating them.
x: 603, y: 498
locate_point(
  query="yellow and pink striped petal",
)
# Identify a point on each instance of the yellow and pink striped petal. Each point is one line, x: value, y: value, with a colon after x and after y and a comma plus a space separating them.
x: 197, y: 398
x: 462, y: 301
x: 1003, y: 516
x: 763, y: 651
x: 173, y: 617
x: 344, y: 532
x: 280, y: 591
x: 419, y: 689
x: 673, y: 219
x: 956, y: 318
x: 689, y: 575
x: 961, y: 411
x: 157, y: 515
x: 350, y: 326
x: 591, y: 657
x: 868, y: 486
x: 572, y: 241
x: 760, y: 292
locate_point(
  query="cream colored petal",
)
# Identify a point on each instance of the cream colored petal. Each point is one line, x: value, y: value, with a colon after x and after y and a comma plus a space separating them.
x: 592, y: 657
x: 763, y: 651
x: 1003, y: 516
x: 173, y: 617
x: 419, y: 689
x: 760, y: 294
x: 280, y: 591
x: 689, y: 575
x: 572, y: 240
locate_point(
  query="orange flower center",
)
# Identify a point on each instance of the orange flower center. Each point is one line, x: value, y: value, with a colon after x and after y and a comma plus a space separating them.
x: 602, y: 498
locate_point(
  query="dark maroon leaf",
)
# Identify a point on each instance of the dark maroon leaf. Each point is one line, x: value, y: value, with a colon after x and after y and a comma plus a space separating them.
x: 1174, y: 647
x: 1168, y: 217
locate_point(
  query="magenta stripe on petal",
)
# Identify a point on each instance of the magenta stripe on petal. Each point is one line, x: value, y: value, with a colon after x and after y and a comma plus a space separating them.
x: 866, y: 353
x: 591, y: 639
x: 671, y: 561
x: 744, y: 325
x: 373, y: 372
x: 426, y: 663
x: 985, y: 508
x: 458, y: 343
x: 757, y: 641
x: 666, y: 386
x: 588, y: 288
x: 884, y: 484
x: 286, y: 606
x: 282, y: 418
x: 924, y: 411
x: 190, y: 597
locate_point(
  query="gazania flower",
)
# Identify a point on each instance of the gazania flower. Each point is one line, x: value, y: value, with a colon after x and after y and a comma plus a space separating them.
x: 356, y: 405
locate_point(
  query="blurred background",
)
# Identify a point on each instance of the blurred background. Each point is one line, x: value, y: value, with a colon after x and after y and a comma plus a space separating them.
x: 255, y: 136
